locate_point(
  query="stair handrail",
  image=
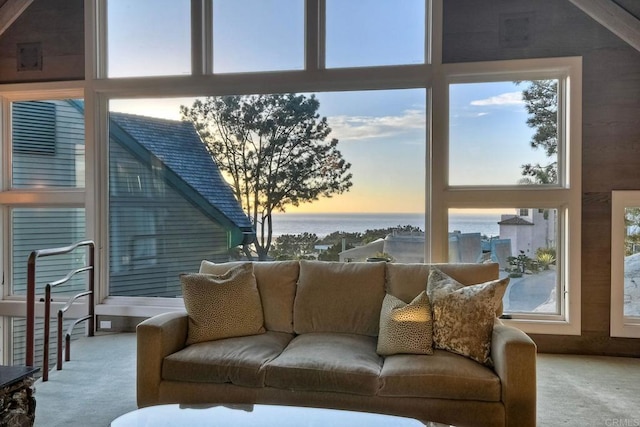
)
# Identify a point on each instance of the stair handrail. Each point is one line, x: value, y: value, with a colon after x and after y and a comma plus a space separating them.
x: 31, y: 285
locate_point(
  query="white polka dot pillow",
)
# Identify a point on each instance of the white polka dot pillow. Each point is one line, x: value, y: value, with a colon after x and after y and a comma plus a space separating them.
x: 405, y: 328
x: 222, y: 306
x: 463, y: 316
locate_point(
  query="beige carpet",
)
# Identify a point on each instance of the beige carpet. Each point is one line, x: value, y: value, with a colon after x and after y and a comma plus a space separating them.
x: 588, y: 391
x: 98, y: 385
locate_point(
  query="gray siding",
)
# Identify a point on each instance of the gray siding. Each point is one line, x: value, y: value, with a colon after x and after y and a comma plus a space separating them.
x: 40, y: 165
x: 42, y: 228
x: 155, y: 234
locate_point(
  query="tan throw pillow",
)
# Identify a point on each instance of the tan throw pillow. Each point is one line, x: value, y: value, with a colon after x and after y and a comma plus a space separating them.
x: 222, y: 306
x: 463, y: 316
x: 405, y: 328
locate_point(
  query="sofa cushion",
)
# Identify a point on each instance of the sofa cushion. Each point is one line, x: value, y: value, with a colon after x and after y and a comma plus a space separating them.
x: 343, y: 363
x: 405, y: 328
x: 339, y: 297
x: 222, y: 306
x: 443, y: 375
x: 463, y: 316
x: 406, y: 281
x: 277, y: 286
x: 239, y: 361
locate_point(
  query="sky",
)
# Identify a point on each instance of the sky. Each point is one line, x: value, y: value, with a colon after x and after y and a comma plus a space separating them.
x: 381, y: 133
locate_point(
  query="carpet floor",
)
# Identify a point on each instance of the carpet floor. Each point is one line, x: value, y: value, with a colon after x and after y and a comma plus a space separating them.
x: 98, y: 385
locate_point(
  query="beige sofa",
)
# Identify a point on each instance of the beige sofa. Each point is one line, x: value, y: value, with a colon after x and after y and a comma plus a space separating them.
x: 319, y: 349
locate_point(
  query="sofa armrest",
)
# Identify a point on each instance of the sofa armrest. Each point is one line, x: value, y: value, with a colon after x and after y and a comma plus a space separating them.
x: 157, y: 338
x: 514, y: 358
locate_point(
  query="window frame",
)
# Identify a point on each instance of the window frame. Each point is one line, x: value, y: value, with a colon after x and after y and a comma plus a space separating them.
x: 12, y: 306
x: 564, y: 196
x: 621, y: 325
x: 432, y: 76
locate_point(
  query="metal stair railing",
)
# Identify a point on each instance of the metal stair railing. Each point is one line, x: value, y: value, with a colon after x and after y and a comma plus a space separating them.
x: 31, y: 285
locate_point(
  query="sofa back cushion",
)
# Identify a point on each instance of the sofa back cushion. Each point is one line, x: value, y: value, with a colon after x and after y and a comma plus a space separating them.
x: 339, y: 297
x: 406, y: 281
x: 277, y: 287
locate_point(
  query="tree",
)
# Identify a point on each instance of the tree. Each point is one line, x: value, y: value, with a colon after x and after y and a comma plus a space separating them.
x: 333, y: 252
x: 632, y: 230
x: 273, y: 150
x: 541, y: 102
x: 294, y: 246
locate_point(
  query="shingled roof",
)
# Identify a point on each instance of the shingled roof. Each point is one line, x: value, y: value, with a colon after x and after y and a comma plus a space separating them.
x: 189, y: 166
x: 515, y: 220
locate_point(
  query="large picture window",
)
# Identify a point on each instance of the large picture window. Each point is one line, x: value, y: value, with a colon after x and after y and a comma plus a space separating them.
x: 170, y: 204
x: 513, y: 158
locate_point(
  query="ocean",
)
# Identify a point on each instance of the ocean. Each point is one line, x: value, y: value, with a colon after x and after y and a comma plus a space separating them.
x: 325, y: 224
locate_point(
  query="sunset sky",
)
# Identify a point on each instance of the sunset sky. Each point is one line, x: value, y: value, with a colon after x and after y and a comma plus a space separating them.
x: 381, y: 133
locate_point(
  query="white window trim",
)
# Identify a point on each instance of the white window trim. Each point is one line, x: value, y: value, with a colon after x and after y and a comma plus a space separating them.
x: 432, y: 76
x: 566, y: 197
x: 621, y: 325
x: 30, y: 197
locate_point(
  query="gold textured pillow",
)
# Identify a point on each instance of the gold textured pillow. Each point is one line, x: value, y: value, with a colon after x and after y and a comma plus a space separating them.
x: 222, y: 306
x: 405, y: 328
x: 463, y: 316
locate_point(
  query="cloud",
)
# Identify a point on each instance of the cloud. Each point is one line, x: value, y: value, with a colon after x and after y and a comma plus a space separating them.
x: 347, y: 128
x: 509, y: 98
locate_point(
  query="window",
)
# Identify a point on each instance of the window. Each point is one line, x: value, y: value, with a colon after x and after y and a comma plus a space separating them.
x: 366, y: 64
x: 358, y: 32
x: 34, y: 127
x: 258, y: 35
x: 48, y: 144
x: 151, y: 38
x: 162, y: 229
x: 512, y: 160
x: 504, y: 133
x: 525, y: 247
x: 625, y: 271
x: 42, y: 200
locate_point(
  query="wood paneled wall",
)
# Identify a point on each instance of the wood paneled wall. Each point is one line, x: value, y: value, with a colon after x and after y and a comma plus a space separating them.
x: 58, y: 26
x: 610, y: 131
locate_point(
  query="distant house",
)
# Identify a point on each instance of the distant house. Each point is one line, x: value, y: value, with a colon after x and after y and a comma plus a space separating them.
x: 529, y: 230
x: 169, y: 206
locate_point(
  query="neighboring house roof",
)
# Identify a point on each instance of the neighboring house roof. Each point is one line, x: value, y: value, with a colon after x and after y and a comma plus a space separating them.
x: 190, y: 167
x: 515, y: 220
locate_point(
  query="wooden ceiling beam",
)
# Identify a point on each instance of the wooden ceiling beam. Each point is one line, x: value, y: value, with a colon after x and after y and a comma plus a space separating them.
x: 10, y: 11
x: 613, y: 17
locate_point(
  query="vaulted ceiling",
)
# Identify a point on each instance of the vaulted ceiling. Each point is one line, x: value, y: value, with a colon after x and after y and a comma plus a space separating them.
x: 622, y: 17
x: 10, y: 10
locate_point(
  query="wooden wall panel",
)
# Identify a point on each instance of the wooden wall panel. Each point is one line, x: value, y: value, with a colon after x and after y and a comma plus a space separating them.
x: 58, y: 25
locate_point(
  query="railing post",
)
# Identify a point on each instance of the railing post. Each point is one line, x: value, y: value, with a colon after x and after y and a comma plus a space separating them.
x: 92, y: 273
x: 67, y: 347
x: 59, y: 354
x: 31, y: 307
x: 45, y: 351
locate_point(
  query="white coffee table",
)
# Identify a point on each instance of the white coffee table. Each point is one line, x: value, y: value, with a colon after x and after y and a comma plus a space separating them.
x: 255, y: 416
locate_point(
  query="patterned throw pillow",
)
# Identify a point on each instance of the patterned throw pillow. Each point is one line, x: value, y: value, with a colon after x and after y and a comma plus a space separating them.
x: 405, y: 328
x: 463, y: 316
x: 222, y: 306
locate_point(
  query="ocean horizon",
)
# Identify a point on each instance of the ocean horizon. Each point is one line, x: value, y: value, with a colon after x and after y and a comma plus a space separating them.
x: 323, y: 224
